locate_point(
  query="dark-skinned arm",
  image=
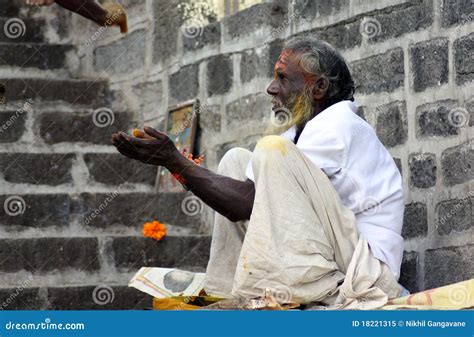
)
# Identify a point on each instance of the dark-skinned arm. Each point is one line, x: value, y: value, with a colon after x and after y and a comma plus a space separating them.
x: 229, y: 197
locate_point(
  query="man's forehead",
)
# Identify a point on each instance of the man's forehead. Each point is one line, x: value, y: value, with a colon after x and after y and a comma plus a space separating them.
x: 286, y: 57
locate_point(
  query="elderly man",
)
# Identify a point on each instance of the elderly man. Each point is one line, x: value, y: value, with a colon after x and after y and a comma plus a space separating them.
x: 315, y: 213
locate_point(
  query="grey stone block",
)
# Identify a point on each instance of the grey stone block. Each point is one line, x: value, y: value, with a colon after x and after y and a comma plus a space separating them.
x: 250, y: 19
x: 448, y: 265
x: 342, y: 35
x: 184, y: 84
x: 183, y: 252
x: 112, y: 209
x: 463, y: 56
x: 246, y: 109
x: 379, y: 73
x: 31, y: 55
x: 35, y: 210
x: 391, y: 126
x: 253, y: 64
x: 457, y: 164
x: 470, y: 111
x: 395, y: 21
x: 429, y: 61
x: 134, y: 209
x: 219, y: 75
x: 122, y: 56
x: 398, y: 162
x: 210, y: 118
x: 454, y: 215
x: 58, y: 127
x: 454, y: 12
x: 415, y: 220
x: 37, y: 168
x: 168, y: 21
x: 106, y: 298
x: 116, y: 169
x: 422, y: 170
x: 409, y: 272
x: 437, y: 119
x: 308, y: 10
x: 92, y: 93
x: 12, y: 125
x: 9, y: 9
x: 48, y: 254
x: 149, y: 96
x: 26, y: 30
x: 20, y: 297
x: 205, y: 37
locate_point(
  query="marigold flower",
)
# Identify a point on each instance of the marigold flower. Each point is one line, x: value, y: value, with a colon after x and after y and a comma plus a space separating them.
x: 197, y: 161
x: 155, y: 230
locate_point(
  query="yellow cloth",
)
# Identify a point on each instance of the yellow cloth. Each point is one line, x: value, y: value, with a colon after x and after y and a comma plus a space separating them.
x: 454, y: 296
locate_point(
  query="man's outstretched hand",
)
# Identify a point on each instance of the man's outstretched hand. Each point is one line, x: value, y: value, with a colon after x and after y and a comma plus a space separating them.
x: 154, y: 147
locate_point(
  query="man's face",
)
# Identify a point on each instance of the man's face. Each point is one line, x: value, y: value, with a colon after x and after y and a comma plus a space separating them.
x: 290, y: 88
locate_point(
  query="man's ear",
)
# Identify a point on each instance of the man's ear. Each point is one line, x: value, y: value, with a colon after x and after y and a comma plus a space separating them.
x: 320, y: 88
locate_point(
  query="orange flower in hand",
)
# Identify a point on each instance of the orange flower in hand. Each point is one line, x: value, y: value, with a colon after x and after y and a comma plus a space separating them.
x: 155, y: 230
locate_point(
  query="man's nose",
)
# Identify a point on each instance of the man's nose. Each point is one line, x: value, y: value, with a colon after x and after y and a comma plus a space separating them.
x: 272, y: 89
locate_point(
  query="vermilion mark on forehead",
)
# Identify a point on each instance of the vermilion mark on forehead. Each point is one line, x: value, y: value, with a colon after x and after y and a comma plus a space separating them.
x: 286, y: 57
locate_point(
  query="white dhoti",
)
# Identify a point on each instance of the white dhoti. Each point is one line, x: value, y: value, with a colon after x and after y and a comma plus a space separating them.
x: 300, y: 241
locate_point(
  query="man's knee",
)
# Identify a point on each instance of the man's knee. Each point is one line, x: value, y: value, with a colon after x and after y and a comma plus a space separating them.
x: 275, y: 147
x: 231, y: 158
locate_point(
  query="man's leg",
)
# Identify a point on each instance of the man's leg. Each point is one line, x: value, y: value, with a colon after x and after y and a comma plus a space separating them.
x: 227, y: 236
x: 301, y: 241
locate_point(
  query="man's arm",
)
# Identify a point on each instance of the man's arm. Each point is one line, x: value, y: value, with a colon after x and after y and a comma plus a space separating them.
x: 230, y: 197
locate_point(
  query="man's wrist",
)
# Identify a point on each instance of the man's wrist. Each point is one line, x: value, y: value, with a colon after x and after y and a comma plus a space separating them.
x: 177, y: 163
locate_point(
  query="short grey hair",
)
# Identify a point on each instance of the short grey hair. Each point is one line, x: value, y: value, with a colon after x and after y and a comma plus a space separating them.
x: 317, y: 57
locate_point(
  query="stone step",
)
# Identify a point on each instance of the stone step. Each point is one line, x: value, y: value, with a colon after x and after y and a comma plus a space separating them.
x: 93, y: 93
x: 83, y: 127
x: 9, y: 8
x: 15, y: 30
x: 95, y: 297
x: 34, y: 55
x: 99, y: 212
x: 50, y: 256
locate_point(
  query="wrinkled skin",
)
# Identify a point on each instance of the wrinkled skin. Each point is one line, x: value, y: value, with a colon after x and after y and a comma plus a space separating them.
x: 230, y: 197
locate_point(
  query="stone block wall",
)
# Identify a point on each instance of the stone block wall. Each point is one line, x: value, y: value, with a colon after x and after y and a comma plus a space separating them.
x: 412, y: 63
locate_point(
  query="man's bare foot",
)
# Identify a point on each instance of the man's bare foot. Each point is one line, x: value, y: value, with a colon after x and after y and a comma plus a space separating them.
x: 39, y: 2
x: 116, y: 16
